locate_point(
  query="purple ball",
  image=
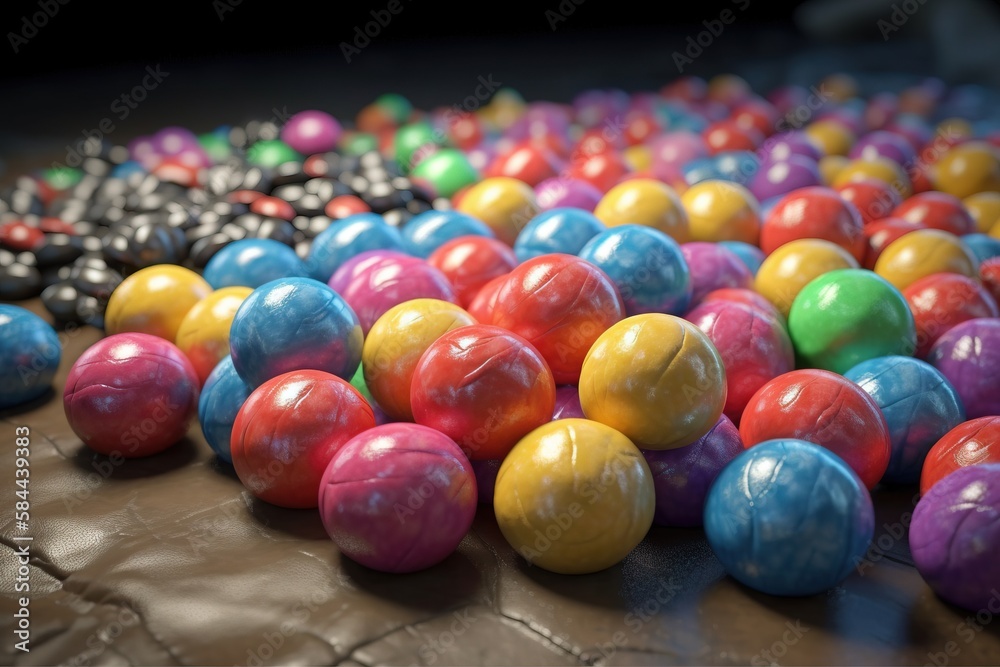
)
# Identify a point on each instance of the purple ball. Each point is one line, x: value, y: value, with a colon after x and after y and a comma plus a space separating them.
x: 682, y: 477
x: 486, y: 478
x: 568, y: 403
x: 540, y: 119
x: 955, y: 535
x: 883, y: 144
x: 558, y: 192
x: 398, y: 497
x: 356, y: 265
x: 780, y: 147
x: 777, y: 178
x: 968, y: 355
x: 713, y: 267
x: 311, y: 132
x: 174, y: 140
x: 141, y: 149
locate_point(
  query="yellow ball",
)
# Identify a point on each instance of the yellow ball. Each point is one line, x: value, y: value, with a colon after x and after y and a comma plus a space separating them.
x: 830, y: 166
x: 638, y: 157
x: 954, y: 127
x: 839, y: 87
x: 722, y: 211
x: 645, y: 201
x: 154, y: 300
x: 656, y: 378
x: 505, y: 204
x: 394, y: 346
x: 833, y: 138
x: 967, y: 169
x: 788, y: 269
x: 995, y: 230
x: 203, y: 335
x: 923, y: 252
x: 879, y: 168
x: 984, y: 207
x: 574, y: 496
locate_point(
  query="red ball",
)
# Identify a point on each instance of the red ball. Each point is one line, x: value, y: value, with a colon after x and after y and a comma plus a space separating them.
x: 970, y: 443
x: 484, y: 387
x: 19, y: 236
x: 602, y: 170
x: 640, y: 127
x: 824, y: 408
x: 814, y: 212
x: 131, y: 395
x: 758, y: 115
x: 594, y: 141
x: 728, y: 135
x: 937, y: 210
x: 343, y: 206
x: 560, y: 304
x: 880, y: 233
x: 873, y: 198
x: 288, y: 430
x: 529, y: 163
x: 989, y: 273
x: 465, y: 129
x: 942, y: 300
x: 469, y: 262
x: 481, y: 306
x: 273, y: 207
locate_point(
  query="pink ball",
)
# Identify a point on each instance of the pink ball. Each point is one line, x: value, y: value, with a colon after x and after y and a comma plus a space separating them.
x: 174, y: 140
x: 131, y: 395
x: 567, y: 192
x: 357, y: 265
x: 398, y: 497
x: 671, y: 151
x: 311, y: 132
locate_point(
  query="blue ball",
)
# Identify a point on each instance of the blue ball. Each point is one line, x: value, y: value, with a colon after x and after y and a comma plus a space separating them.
x: 983, y: 246
x: 646, y: 265
x: 428, y: 231
x: 701, y: 169
x: 736, y: 166
x: 919, y: 405
x: 351, y: 236
x: 221, y: 399
x: 788, y: 517
x: 30, y: 352
x: 127, y: 168
x: 294, y: 324
x: 253, y: 262
x: 750, y: 255
x: 564, y: 230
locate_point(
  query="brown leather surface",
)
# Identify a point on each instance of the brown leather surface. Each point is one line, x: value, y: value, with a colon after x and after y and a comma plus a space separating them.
x: 168, y: 560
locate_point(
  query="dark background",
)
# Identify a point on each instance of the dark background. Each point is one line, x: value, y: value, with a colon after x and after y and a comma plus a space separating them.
x: 232, y: 63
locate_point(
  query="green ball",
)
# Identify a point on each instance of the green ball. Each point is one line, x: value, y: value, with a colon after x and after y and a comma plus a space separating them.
x: 847, y: 316
x: 411, y: 137
x: 61, y: 178
x: 358, y: 382
x: 397, y: 106
x: 216, y: 146
x: 358, y: 143
x: 272, y: 153
x: 447, y: 170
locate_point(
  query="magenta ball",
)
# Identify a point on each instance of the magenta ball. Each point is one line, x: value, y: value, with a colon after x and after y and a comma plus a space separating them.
x: 682, y: 477
x: 559, y: 192
x: 174, y: 140
x: 955, y: 535
x: 357, y: 265
x: 968, y: 355
x: 774, y: 179
x: 311, y: 132
x: 713, y: 267
x: 131, y: 395
x: 671, y: 151
x: 486, y: 478
x: 398, y: 497
x: 568, y: 403
x: 883, y: 144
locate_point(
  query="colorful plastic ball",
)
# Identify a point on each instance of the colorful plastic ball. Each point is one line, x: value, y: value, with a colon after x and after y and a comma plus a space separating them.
x: 345, y: 206
x: 874, y: 199
x: 446, y: 171
x: 942, y: 300
x: 789, y: 518
x: 982, y: 246
x: 566, y: 192
x: 728, y: 135
x: 294, y: 324
x: 271, y: 153
x: 414, y: 142
x: 713, y: 266
x: 754, y: 348
x: 310, y: 132
x: 568, y: 403
x: 721, y: 211
x: 989, y: 274
x: 289, y: 429
x: 394, y: 346
x: 881, y: 143
x: 481, y: 306
x: 221, y: 398
x: 736, y: 166
x: 360, y: 263
x: 671, y: 151
x: 971, y: 443
x: 818, y: 213
x: 683, y: 476
x: 131, y: 395
x: 646, y: 202
x: 984, y: 207
x: 832, y: 137
x: 747, y: 297
x: 936, y: 210
x: 781, y: 147
x: 253, y: 262
x: 504, y: 204
x: 203, y: 336
x: 154, y: 301
x: 398, y: 498
x: 31, y: 354
x: 968, y: 354
x: 602, y: 170
x: 557, y: 230
x: 847, y: 316
x: 428, y: 231
x: 469, y: 262
x: 656, y: 378
x: 924, y: 252
x: 880, y: 233
x: 967, y: 169
x: 349, y: 237
x: 358, y: 382
x: 824, y: 408
x: 831, y: 165
x: 919, y: 405
x: 529, y: 163
x: 779, y: 178
x: 574, y: 497
x: 954, y: 534
x: 484, y: 387
x: 560, y: 304
x: 750, y: 255
x: 646, y: 266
